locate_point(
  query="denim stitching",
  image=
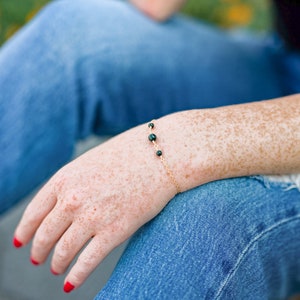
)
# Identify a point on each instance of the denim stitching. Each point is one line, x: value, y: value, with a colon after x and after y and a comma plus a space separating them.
x: 247, y: 249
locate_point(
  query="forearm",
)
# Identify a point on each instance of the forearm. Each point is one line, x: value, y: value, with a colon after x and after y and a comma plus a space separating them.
x: 256, y: 138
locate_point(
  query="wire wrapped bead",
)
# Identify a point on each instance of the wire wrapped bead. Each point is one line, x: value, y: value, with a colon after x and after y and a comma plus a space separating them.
x: 151, y: 125
x: 159, y: 153
x: 152, y: 137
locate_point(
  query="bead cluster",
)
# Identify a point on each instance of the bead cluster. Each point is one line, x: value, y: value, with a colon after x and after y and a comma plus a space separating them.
x: 152, y: 138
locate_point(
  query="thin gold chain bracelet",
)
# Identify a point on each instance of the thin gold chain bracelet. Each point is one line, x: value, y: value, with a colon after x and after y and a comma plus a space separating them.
x: 159, y: 153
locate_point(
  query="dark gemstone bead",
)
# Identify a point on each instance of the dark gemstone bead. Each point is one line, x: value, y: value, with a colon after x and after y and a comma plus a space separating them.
x: 151, y: 125
x: 152, y: 137
x: 159, y: 153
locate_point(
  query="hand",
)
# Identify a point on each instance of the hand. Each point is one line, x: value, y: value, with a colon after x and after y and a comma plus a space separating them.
x: 97, y: 201
x: 158, y: 9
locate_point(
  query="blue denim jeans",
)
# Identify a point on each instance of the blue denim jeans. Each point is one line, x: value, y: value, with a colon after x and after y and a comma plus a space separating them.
x: 229, y: 239
x: 85, y: 67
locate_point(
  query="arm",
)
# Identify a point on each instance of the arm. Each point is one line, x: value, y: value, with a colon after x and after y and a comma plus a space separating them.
x: 113, y: 189
x: 238, y: 140
x: 158, y: 9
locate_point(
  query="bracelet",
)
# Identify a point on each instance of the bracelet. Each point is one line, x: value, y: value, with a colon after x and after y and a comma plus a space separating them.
x: 152, y: 138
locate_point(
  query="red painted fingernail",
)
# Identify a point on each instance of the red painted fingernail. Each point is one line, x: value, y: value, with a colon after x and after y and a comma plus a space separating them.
x: 53, y: 272
x: 34, y: 262
x: 17, y: 243
x: 68, y: 287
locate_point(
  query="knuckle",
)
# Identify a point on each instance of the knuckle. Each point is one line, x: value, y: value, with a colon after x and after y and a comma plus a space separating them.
x: 70, y: 201
x: 41, y: 242
x: 85, y: 263
x: 59, y: 181
x: 71, y: 204
x: 61, y: 256
x: 30, y: 218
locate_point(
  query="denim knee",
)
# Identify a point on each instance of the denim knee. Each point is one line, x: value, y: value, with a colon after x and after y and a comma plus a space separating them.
x: 212, y: 242
x: 125, y: 68
x: 72, y: 27
x: 250, y: 238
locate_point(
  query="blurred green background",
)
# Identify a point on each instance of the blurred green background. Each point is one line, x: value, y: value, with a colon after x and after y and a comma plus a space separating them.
x: 226, y: 13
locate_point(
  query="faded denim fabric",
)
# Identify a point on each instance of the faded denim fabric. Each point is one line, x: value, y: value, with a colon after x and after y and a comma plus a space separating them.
x: 229, y: 239
x: 83, y: 67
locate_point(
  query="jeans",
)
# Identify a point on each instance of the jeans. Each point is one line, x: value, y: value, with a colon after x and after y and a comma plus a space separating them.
x: 229, y: 239
x: 85, y: 67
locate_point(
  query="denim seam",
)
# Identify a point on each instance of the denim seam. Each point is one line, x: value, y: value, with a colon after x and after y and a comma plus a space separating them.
x: 247, y: 249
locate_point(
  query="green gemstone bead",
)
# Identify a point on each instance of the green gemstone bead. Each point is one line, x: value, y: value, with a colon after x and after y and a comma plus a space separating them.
x: 152, y: 137
x: 159, y: 153
x: 151, y: 125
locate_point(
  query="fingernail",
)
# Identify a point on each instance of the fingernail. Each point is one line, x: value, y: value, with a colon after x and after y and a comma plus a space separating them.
x: 53, y: 272
x: 17, y: 243
x: 34, y: 262
x: 68, y: 287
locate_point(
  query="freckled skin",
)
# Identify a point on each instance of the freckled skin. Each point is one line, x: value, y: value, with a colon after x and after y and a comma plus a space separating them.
x: 256, y: 138
x: 105, y: 195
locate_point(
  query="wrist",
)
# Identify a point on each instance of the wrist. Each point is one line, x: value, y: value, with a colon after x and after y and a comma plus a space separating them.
x: 190, y: 149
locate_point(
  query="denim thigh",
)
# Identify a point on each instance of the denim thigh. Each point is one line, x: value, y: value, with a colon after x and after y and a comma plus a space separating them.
x: 94, y: 66
x: 230, y: 239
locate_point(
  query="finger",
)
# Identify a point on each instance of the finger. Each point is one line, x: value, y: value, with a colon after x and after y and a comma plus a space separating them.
x: 34, y: 214
x: 49, y: 232
x: 89, y: 259
x: 67, y: 248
